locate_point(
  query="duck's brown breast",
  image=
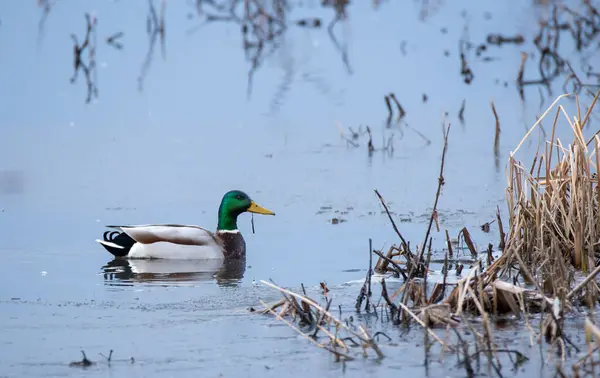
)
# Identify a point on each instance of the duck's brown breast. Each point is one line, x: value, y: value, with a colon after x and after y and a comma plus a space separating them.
x: 233, y: 243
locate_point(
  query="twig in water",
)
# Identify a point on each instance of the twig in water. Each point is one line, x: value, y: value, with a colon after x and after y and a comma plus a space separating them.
x: 320, y: 319
x: 354, y: 343
x: 499, y: 39
x: 520, y: 76
x: 486, y: 226
x: 416, y: 318
x: 390, y: 112
x: 386, y: 298
x: 401, y: 112
x: 500, y: 229
x: 449, y: 244
x: 459, y: 268
x: 378, y: 333
x: 109, y: 358
x: 465, y: 349
x: 398, y: 268
x: 427, y: 141
x: 404, y: 244
x: 583, y: 283
x: 467, y: 237
x: 83, y: 363
x: 370, y: 146
x: 441, y: 183
x: 497, y: 134
x: 414, y: 268
x: 465, y: 70
x: 365, y: 291
x: 490, y: 257
x: 324, y: 287
x: 349, y: 141
x: 369, y: 274
x: 113, y: 40
x: 461, y: 112
x: 439, y: 291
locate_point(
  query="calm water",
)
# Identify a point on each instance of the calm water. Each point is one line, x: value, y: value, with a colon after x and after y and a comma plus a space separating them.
x: 167, y: 154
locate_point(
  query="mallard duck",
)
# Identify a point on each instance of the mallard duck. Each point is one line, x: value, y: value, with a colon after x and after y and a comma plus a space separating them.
x: 175, y: 241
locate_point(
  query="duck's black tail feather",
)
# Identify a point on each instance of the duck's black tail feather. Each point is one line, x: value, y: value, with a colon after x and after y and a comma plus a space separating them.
x: 117, y: 243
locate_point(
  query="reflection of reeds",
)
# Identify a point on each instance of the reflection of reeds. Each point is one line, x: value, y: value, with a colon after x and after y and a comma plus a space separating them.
x: 340, y: 7
x: 89, y: 69
x: 263, y: 24
x: 583, y: 26
x: 155, y: 27
x: 46, y: 6
x: 113, y: 40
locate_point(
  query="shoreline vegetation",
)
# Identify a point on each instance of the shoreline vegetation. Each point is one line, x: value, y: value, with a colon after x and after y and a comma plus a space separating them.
x: 544, y: 276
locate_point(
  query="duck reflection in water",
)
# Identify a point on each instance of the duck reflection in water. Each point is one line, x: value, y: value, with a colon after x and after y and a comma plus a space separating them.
x: 128, y: 272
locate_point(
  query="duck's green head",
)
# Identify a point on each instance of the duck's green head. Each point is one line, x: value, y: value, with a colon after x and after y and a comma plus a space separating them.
x: 233, y: 204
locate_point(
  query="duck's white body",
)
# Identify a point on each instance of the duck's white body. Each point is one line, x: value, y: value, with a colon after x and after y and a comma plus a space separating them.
x: 165, y: 267
x: 170, y: 242
x: 166, y: 250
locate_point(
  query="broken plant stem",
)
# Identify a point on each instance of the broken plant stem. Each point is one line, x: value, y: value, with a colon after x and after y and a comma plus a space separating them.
x: 415, y: 317
x: 398, y: 267
x: 404, y: 243
x: 292, y: 326
x: 583, y: 283
x: 437, y: 194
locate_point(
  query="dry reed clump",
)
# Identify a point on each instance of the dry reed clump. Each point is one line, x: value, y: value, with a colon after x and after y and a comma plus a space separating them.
x: 554, y: 226
x: 553, y: 205
x: 552, y: 247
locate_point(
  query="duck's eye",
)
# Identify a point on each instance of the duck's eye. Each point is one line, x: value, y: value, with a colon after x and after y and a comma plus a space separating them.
x: 239, y: 197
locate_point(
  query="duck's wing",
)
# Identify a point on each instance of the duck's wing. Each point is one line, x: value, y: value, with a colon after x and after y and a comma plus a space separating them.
x: 170, y: 233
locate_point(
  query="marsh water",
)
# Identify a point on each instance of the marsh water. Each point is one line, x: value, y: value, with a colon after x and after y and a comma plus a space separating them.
x: 165, y: 147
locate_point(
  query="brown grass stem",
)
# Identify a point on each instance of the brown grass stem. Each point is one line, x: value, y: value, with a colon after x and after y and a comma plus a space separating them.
x: 421, y: 323
x: 398, y: 267
x: 338, y: 354
x: 583, y: 283
x: 404, y: 243
x: 441, y: 183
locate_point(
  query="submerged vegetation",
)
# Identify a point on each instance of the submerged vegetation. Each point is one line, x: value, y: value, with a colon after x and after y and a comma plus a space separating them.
x: 544, y: 274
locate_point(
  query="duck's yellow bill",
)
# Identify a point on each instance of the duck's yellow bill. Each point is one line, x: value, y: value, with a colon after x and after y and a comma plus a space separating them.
x: 254, y: 208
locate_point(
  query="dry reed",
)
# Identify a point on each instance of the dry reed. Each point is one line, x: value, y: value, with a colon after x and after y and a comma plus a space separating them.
x: 553, y: 206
